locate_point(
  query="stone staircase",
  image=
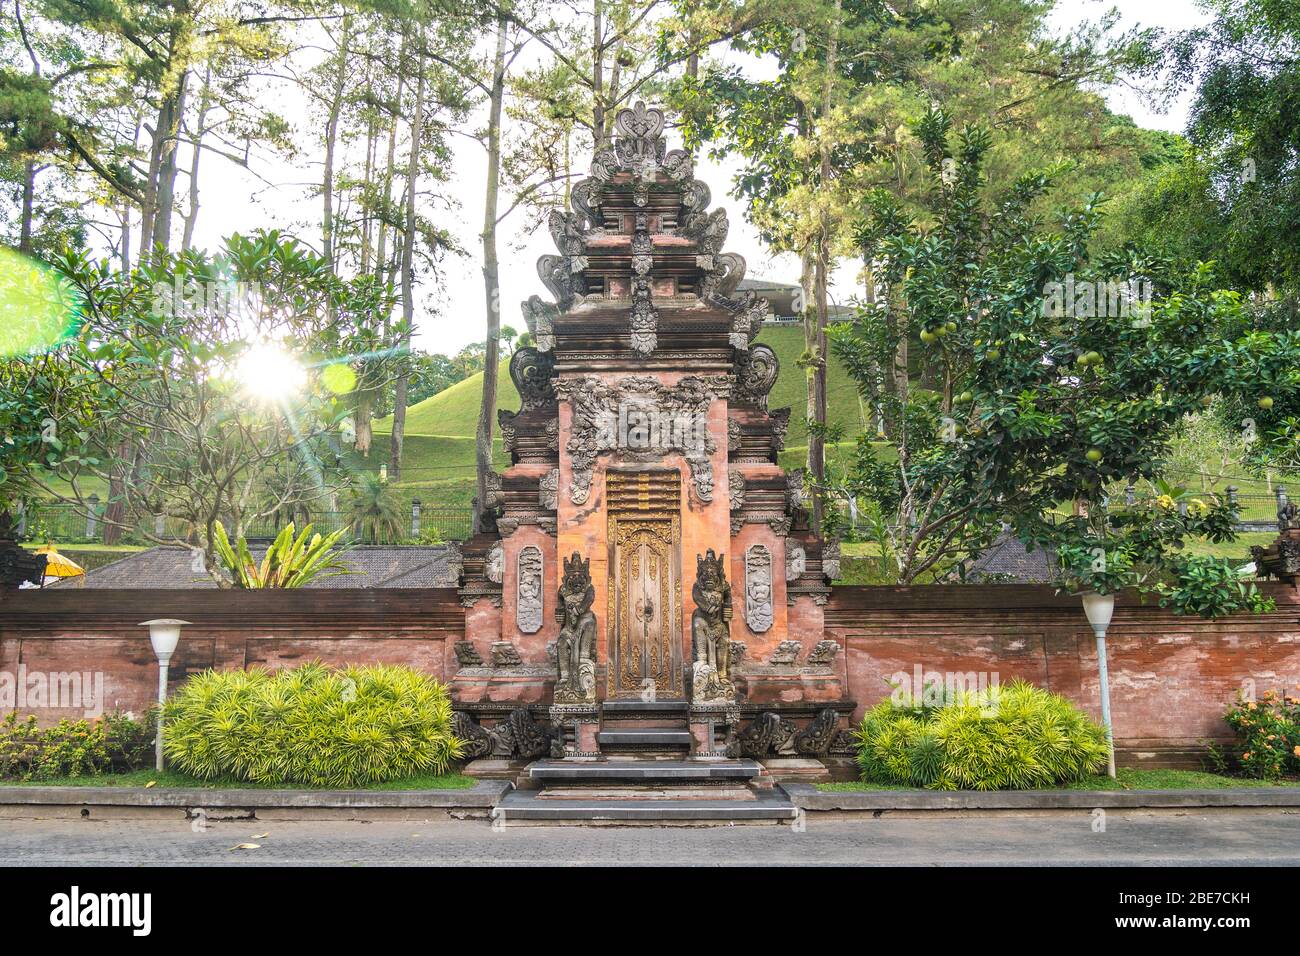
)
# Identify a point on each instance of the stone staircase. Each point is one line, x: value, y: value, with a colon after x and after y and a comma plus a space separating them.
x: 644, y: 775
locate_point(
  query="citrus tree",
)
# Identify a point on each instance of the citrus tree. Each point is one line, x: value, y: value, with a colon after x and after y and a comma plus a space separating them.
x: 1033, y: 377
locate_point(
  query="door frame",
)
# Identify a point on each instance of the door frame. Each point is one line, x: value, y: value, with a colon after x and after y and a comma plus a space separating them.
x: 660, y: 508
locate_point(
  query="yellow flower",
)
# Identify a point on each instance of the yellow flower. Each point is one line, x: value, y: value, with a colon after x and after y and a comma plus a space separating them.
x: 1198, y: 506
x: 1297, y: 750
x: 1252, y: 706
x: 1166, y: 502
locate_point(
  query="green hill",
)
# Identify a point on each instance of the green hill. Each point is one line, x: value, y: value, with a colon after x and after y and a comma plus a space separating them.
x: 453, y: 412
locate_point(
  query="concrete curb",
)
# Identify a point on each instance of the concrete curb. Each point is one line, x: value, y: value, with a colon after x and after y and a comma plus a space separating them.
x: 807, y: 797
x: 485, y: 793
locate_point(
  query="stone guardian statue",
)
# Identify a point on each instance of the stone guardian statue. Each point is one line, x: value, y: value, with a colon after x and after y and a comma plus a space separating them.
x: 575, y: 648
x: 711, y: 632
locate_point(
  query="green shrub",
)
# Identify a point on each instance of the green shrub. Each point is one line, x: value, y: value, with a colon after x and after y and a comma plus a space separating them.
x: 73, y: 748
x: 311, y: 725
x: 1013, y: 736
x: 1268, y: 731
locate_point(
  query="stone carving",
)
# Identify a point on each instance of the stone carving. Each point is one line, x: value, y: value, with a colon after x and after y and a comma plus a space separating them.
x: 747, y: 322
x: 548, y: 490
x: 467, y: 654
x: 816, y: 739
x: 831, y: 560
x: 823, y: 653
x: 756, y: 372
x: 644, y: 318
x: 780, y: 419
x: 528, y: 589
x: 758, y: 588
x: 494, y: 565
x: 575, y: 648
x: 529, y: 738
x: 1288, y: 517
x: 734, y: 436
x: 786, y: 653
x: 768, y: 733
x: 475, y: 741
x: 736, y: 489
x: 509, y: 431
x: 494, y: 500
x: 505, y: 655
x: 796, y: 559
x: 711, y: 631
x: 794, y: 491
x: 737, y: 651
x: 533, y: 373
x: 539, y: 315
x: 675, y: 421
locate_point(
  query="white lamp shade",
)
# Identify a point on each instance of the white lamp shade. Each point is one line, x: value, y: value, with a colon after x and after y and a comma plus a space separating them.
x: 1099, y: 608
x: 164, y: 635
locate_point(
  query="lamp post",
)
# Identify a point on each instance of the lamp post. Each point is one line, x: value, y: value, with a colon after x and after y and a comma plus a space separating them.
x: 164, y: 635
x: 1100, y: 608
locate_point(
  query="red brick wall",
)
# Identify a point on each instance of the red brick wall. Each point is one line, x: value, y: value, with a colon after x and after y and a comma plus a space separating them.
x: 1171, y: 677
x: 98, y: 631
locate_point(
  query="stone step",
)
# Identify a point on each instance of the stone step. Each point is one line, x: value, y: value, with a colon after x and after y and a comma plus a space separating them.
x: 524, y: 807
x: 644, y: 739
x: 632, y: 707
x: 684, y: 771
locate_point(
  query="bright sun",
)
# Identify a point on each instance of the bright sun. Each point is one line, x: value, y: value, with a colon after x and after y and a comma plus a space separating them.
x: 268, y: 372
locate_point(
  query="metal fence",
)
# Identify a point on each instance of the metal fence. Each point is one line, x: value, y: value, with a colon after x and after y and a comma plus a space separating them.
x: 70, y: 524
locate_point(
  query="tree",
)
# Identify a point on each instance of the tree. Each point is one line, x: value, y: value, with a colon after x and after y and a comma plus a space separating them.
x: 831, y: 126
x: 179, y: 355
x: 1043, y: 376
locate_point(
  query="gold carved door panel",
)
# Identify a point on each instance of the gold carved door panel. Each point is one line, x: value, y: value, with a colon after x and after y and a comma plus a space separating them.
x: 645, y: 537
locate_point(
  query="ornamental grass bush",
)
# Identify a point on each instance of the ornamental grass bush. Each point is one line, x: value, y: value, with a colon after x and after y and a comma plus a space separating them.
x: 1008, y: 737
x: 1268, y: 731
x: 312, y: 726
x: 74, y: 748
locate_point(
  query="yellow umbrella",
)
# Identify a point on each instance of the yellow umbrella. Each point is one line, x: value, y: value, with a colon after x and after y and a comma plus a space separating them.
x: 59, y: 565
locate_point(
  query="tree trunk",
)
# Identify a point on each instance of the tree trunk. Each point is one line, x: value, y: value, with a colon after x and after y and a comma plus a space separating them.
x: 491, y: 283
x: 29, y: 204
x: 175, y: 110
x: 408, y: 260
x: 331, y: 138
x: 200, y: 130
x: 816, y: 442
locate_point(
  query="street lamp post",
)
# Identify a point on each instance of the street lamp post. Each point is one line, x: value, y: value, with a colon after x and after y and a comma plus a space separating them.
x: 164, y: 635
x: 1100, y: 608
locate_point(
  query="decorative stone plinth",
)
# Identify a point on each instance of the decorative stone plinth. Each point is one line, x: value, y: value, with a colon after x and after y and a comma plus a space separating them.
x: 517, y: 684
x: 713, y: 729
x: 577, y: 726
x: 794, y: 685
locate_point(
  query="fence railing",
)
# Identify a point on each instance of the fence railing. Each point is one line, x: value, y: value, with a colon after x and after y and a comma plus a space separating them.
x: 70, y: 524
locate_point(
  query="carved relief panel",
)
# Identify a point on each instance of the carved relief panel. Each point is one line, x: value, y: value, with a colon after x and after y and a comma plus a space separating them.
x: 758, y: 588
x: 528, y: 602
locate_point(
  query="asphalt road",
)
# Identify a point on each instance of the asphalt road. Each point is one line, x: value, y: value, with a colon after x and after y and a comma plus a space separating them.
x: 1219, y: 837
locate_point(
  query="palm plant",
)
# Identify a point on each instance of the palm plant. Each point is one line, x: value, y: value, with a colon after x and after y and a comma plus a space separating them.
x: 376, y: 512
x: 292, y: 561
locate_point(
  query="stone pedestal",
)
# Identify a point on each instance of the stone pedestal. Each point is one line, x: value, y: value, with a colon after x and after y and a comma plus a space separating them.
x: 578, y: 725
x: 713, y: 729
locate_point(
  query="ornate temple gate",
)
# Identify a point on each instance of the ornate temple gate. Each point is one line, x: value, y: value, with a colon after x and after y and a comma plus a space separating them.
x: 645, y: 598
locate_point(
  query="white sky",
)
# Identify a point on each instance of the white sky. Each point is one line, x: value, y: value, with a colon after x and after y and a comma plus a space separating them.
x: 450, y: 311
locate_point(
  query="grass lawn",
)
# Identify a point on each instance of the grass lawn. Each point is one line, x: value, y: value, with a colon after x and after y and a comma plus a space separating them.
x: 170, y: 778
x: 1128, y: 779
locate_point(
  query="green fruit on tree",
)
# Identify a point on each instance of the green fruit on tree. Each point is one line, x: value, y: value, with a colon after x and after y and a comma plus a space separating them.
x: 1265, y: 403
x: 950, y: 326
x: 965, y: 398
x: 927, y: 336
x: 993, y: 355
x: 1093, y: 455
